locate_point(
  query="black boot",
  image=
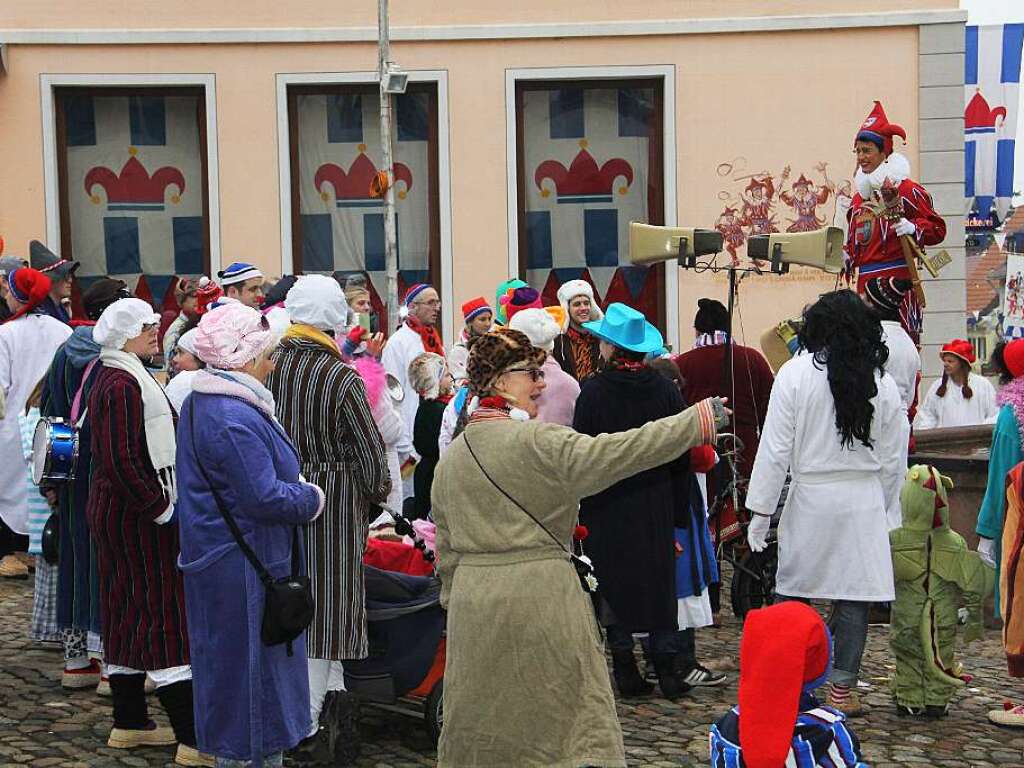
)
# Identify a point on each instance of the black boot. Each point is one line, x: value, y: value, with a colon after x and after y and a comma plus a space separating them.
x: 128, y: 696
x: 176, y: 700
x: 318, y: 749
x: 345, y: 714
x: 672, y: 686
x: 627, y: 677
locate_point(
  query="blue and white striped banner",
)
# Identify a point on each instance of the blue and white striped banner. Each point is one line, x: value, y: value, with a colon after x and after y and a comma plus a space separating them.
x: 991, y: 99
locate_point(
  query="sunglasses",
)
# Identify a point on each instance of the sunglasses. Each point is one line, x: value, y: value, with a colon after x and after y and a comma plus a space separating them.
x: 535, y: 374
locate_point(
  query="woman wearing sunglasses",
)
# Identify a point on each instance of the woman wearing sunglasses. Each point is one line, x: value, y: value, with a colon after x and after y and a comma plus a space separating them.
x: 521, y: 625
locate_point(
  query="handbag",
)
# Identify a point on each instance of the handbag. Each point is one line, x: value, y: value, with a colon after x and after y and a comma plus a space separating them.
x: 288, y: 601
x: 584, y: 568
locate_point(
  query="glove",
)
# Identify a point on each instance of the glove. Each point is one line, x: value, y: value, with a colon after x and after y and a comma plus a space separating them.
x: 757, y: 532
x: 352, y: 341
x: 905, y: 227
x: 987, y: 551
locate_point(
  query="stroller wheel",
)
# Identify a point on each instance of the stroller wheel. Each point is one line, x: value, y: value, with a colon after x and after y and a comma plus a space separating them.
x: 432, y: 711
x: 753, y: 581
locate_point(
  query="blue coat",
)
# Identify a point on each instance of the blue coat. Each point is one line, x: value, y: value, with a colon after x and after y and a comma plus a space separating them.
x: 251, y: 700
x: 696, y: 566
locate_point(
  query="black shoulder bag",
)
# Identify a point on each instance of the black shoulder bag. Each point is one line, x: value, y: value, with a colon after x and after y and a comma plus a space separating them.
x: 288, y: 602
x: 584, y: 568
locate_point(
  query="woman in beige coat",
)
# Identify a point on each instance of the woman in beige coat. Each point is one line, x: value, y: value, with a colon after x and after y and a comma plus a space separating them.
x: 526, y: 682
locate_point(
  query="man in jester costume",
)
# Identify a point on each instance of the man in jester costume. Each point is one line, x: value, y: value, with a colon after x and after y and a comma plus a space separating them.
x: 935, y: 574
x: 888, y: 207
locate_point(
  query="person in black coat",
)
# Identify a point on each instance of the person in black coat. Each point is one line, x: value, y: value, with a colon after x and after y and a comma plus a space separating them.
x: 631, y: 524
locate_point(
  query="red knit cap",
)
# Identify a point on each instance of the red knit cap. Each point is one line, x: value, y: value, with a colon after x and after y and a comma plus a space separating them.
x: 30, y: 287
x: 784, y: 650
x: 1013, y: 356
x: 475, y: 307
x: 962, y: 349
x: 877, y: 128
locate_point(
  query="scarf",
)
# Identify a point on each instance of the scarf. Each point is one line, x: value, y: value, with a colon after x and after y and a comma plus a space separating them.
x: 621, y: 364
x: 582, y: 345
x: 264, y: 397
x: 315, y: 335
x: 157, y: 417
x: 428, y: 335
x: 716, y: 339
x: 1012, y: 395
x: 494, y: 407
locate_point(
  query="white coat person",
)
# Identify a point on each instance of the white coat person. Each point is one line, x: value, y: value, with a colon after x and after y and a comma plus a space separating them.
x: 28, y: 341
x: 417, y: 334
x: 960, y: 398
x: 835, y: 423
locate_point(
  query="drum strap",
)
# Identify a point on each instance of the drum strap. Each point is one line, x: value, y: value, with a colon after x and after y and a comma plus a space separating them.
x: 77, y: 402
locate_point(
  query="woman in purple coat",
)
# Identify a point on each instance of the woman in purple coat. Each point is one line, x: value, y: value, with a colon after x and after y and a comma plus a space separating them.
x: 251, y: 699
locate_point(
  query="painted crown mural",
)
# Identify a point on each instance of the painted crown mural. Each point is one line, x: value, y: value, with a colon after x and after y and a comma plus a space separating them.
x: 979, y: 117
x: 583, y: 181
x: 133, y: 189
x: 352, y: 189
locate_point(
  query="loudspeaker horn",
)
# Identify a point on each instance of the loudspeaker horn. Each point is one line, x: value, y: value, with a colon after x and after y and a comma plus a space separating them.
x: 649, y: 244
x: 821, y: 249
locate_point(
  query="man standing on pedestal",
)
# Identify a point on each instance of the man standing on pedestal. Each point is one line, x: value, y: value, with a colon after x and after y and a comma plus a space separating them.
x: 873, y: 242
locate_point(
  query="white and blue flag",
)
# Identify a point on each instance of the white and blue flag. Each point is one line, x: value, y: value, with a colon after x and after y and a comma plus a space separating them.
x: 991, y: 98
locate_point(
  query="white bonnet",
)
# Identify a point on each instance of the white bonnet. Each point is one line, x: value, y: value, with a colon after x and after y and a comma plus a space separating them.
x: 187, y: 341
x: 570, y: 289
x: 123, y: 320
x: 317, y: 300
x: 538, y: 325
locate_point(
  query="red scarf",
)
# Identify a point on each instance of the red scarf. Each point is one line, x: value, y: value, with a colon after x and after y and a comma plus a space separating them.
x: 493, y: 407
x: 444, y: 399
x: 428, y: 335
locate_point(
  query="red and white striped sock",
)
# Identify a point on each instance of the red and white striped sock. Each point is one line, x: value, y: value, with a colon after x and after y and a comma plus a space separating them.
x: 840, y: 693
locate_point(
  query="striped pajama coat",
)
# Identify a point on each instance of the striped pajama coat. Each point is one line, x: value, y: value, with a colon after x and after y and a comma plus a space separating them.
x: 322, y: 404
x: 142, y: 596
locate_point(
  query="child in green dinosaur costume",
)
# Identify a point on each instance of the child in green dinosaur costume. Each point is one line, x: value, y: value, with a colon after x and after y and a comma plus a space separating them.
x: 935, y: 573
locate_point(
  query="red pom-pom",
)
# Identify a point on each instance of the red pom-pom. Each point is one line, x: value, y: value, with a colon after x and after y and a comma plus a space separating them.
x: 702, y: 458
x: 356, y: 334
x: 580, y: 533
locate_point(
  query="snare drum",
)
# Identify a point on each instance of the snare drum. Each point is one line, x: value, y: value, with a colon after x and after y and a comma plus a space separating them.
x: 54, y: 451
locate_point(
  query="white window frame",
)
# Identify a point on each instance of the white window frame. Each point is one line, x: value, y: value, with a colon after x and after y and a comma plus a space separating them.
x: 437, y: 76
x: 51, y: 187
x: 667, y: 72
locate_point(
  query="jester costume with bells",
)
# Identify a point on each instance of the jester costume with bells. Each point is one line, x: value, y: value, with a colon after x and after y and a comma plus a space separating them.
x: 934, y: 573
x: 873, y: 242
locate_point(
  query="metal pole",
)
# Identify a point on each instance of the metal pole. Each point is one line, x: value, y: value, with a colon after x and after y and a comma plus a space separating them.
x: 387, y: 163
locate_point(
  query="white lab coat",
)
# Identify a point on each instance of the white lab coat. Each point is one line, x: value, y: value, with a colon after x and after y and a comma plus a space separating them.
x: 402, y: 348
x: 27, y: 347
x: 953, y: 411
x: 391, y: 429
x: 904, y: 361
x: 834, y: 533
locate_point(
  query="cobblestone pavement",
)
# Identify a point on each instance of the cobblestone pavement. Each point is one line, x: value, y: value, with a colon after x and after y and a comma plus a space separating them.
x: 42, y: 725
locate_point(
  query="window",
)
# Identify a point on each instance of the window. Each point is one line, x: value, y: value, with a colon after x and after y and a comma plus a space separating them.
x: 132, y: 179
x: 590, y: 160
x: 335, y: 153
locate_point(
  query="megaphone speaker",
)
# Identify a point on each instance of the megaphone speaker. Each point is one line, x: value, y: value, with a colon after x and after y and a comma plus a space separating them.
x: 650, y: 244
x: 821, y: 249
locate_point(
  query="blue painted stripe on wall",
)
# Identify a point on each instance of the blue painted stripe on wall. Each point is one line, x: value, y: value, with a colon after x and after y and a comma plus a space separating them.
x: 538, y: 240
x: 344, y: 118
x: 601, y: 237
x: 188, y: 244
x: 317, y: 243
x: 971, y: 57
x: 970, y: 148
x: 1013, y: 41
x: 1004, y: 168
x: 148, y: 120
x: 121, y: 245
x: 80, y: 120
x: 565, y: 114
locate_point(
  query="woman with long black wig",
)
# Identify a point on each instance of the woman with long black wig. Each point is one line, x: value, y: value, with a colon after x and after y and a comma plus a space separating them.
x: 835, y: 424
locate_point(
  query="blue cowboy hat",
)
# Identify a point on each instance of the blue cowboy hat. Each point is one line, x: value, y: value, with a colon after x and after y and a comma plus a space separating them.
x: 626, y: 328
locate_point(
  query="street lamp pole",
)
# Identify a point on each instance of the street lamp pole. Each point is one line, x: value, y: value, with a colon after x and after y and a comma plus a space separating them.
x: 387, y: 163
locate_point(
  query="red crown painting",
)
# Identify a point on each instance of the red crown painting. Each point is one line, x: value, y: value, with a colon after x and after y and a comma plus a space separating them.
x: 352, y: 189
x: 134, y: 189
x: 583, y: 181
x: 979, y: 117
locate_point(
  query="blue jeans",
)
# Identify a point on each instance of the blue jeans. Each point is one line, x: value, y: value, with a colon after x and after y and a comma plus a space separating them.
x: 661, y: 640
x: 849, y: 635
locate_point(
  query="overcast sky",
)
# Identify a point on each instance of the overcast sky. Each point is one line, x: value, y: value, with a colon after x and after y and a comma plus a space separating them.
x: 1001, y: 12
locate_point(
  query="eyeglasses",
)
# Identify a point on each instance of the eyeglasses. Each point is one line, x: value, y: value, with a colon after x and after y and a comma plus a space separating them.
x: 535, y: 374
x: 431, y: 303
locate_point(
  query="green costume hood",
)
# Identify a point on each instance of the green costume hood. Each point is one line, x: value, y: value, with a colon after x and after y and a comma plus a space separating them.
x: 924, y: 499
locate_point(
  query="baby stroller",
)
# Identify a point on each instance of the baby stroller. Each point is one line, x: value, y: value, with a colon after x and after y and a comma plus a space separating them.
x: 404, y: 671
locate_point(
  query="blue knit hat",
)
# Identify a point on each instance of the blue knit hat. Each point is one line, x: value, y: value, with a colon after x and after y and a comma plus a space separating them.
x: 238, y: 272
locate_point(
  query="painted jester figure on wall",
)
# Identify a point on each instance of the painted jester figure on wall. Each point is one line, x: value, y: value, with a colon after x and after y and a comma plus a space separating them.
x: 888, y: 206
